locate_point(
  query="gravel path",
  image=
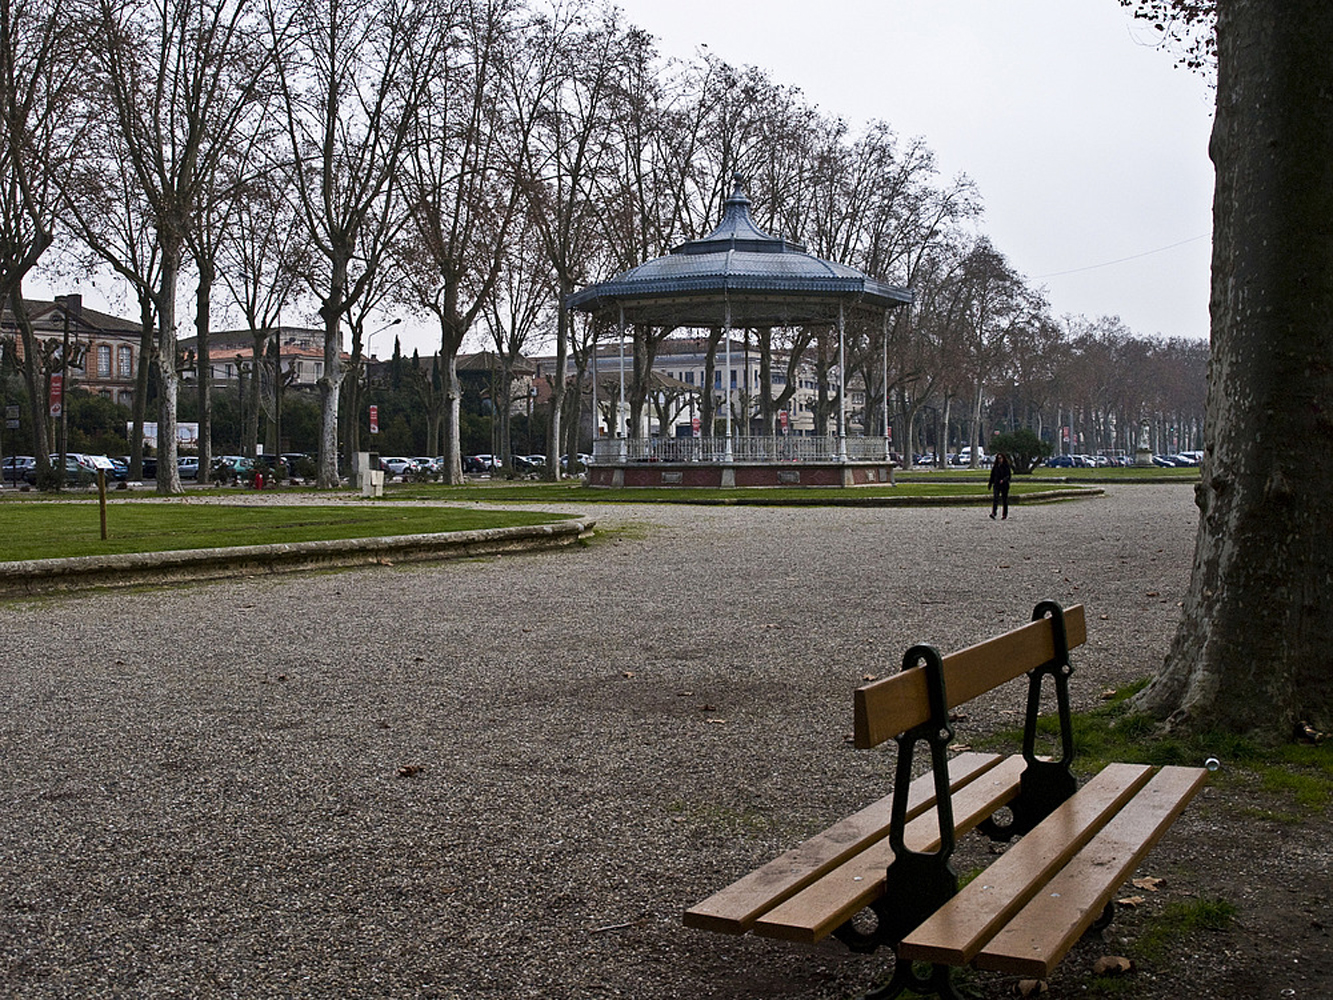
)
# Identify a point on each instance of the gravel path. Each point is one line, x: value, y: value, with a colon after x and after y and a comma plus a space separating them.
x: 506, y: 777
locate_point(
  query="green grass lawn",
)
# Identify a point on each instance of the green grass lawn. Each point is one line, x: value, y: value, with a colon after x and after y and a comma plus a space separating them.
x: 51, y: 529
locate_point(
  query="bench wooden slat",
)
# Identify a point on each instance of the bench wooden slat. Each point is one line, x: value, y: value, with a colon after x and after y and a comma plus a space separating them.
x: 958, y: 930
x: 819, y: 909
x: 898, y: 703
x: 1040, y: 936
x: 733, y: 910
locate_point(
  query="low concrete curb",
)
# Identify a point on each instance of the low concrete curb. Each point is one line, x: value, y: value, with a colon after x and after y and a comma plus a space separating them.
x: 849, y: 498
x: 34, y: 577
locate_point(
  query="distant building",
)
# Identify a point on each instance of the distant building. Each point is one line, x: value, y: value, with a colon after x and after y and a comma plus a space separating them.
x: 229, y: 351
x: 104, y: 349
x: 683, y: 359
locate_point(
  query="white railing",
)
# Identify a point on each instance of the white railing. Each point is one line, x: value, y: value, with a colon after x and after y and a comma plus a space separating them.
x: 612, y: 451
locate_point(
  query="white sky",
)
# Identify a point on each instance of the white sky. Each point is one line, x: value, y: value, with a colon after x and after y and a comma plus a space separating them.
x: 1088, y: 147
x: 1085, y: 142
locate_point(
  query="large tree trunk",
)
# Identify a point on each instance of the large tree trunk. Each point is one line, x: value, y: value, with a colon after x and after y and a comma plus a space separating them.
x: 32, y: 377
x: 142, y: 375
x: 168, y: 475
x: 553, y: 436
x: 204, y: 371
x: 1252, y: 651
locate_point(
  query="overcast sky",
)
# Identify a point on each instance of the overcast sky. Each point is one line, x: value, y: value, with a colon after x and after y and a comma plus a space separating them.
x: 1087, y: 145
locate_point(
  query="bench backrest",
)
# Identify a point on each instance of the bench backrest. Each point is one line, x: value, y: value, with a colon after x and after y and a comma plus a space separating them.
x: 896, y: 704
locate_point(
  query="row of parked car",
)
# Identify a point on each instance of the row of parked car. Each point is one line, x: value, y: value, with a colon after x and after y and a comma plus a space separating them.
x: 1184, y: 459
x: 475, y: 465
x: 18, y: 469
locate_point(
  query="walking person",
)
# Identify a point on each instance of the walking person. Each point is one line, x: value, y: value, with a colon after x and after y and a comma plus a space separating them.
x: 1000, y: 474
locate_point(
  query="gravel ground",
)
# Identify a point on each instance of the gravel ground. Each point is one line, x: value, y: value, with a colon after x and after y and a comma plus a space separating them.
x: 506, y: 777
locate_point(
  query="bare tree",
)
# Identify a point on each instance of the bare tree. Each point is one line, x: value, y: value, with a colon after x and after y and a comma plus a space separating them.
x: 260, y: 258
x: 108, y: 213
x: 462, y: 191
x: 352, y: 75
x: 517, y: 310
x: 178, y: 78
x: 41, y: 48
x: 563, y: 90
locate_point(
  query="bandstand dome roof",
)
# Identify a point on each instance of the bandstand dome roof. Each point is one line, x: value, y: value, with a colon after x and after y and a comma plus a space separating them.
x: 765, y: 280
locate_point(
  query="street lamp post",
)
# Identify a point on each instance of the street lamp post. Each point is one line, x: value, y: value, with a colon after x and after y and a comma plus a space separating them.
x: 64, y: 390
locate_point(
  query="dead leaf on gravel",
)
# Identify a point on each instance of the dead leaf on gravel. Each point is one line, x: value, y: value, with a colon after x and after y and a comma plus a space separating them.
x: 628, y: 673
x: 957, y: 716
x: 1108, y: 694
x: 1112, y: 965
x: 1148, y: 883
x: 410, y: 770
x: 959, y: 747
x: 1153, y: 593
x: 716, y: 722
x: 1132, y: 901
x: 870, y: 677
x: 1030, y: 987
x: 684, y: 694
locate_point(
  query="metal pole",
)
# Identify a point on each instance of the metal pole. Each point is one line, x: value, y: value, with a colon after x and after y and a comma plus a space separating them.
x: 886, y: 385
x: 64, y: 391
x: 842, y: 387
x: 620, y: 406
x: 726, y: 381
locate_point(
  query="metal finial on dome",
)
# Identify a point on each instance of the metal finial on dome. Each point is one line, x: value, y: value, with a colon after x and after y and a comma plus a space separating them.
x: 738, y: 196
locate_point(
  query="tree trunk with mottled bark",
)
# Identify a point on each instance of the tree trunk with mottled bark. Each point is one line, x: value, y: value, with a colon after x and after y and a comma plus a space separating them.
x: 1252, y: 653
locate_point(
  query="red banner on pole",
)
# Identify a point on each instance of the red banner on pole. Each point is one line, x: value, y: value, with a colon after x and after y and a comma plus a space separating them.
x: 56, y: 400
x: 374, y: 420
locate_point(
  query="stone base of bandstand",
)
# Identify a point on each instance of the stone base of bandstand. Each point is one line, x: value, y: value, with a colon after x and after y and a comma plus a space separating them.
x: 730, y: 474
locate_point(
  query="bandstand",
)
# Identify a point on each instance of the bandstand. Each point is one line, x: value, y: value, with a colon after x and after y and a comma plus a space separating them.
x: 739, y: 277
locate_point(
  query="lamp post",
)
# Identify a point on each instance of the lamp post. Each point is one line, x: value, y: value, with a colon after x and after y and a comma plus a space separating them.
x: 364, y: 362
x: 372, y: 336
x: 64, y: 390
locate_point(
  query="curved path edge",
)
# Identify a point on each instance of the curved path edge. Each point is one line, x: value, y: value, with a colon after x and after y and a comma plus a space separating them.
x: 33, y: 577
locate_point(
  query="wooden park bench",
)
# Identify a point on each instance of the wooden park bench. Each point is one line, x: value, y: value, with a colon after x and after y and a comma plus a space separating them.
x: 1030, y: 906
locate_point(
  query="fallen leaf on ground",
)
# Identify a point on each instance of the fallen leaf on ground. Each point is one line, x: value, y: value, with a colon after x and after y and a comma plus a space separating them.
x: 716, y: 722
x: 959, y: 747
x: 1148, y: 882
x: 1112, y: 965
x: 1132, y: 901
x: 1108, y: 694
x: 628, y: 673
x: 870, y: 677
x: 410, y: 770
x: 1030, y: 987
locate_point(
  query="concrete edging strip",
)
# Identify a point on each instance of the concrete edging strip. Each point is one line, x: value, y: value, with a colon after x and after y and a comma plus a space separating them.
x: 32, y: 577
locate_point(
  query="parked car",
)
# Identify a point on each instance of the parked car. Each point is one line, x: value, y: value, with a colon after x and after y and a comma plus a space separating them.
x: 187, y: 466
x: 427, y: 465
x: 1060, y: 461
x: 78, y: 467
x: 524, y: 463
x: 149, y: 465
x: 232, y: 467
x: 15, y: 468
x: 396, y: 465
x: 479, y: 463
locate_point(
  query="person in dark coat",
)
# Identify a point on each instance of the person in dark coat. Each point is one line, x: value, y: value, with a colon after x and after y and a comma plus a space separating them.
x: 1000, y: 474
